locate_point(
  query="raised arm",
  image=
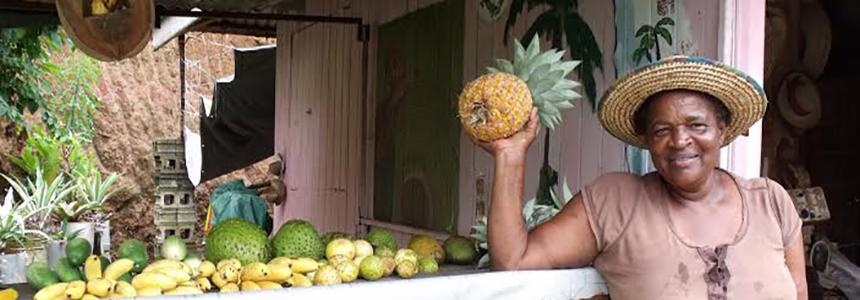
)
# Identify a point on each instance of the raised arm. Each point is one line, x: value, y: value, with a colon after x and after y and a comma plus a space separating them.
x: 565, y: 240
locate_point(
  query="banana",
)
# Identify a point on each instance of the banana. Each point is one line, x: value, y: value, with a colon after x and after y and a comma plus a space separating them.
x: 125, y: 289
x: 304, y: 265
x: 168, y: 264
x: 190, y: 283
x: 150, y: 291
x: 204, y: 284
x: 100, y: 287
x: 268, y: 285
x: 299, y: 280
x: 98, y: 8
x: 158, y: 280
x: 218, y: 279
x: 51, y: 292
x: 229, y: 288
x: 281, y: 260
x: 184, y: 290
x: 255, y: 271
x: 279, y: 273
x: 229, y: 262
x: 76, y: 290
x: 230, y: 274
x: 118, y: 268
x: 178, y: 275
x: 89, y: 297
x: 249, y: 286
x: 206, y: 268
x: 93, y: 268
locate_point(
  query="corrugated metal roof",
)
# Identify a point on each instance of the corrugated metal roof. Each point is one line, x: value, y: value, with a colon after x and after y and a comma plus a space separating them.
x: 257, y: 27
x: 247, y: 6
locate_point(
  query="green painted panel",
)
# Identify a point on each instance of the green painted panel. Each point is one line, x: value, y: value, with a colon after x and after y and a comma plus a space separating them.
x: 419, y: 72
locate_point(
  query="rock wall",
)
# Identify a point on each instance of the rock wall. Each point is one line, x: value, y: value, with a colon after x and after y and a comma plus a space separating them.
x: 140, y: 103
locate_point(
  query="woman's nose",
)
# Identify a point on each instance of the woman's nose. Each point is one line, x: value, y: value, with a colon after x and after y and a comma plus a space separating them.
x: 680, y: 138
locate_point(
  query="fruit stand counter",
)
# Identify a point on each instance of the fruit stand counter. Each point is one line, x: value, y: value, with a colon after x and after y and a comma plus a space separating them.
x: 450, y: 283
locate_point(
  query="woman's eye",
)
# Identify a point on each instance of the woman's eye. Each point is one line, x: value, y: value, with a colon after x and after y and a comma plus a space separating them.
x: 661, y: 131
x: 699, y: 126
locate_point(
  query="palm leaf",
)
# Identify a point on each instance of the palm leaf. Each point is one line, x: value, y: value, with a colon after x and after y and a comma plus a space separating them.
x: 663, y: 32
x: 645, y: 29
x: 547, y: 25
x: 513, y: 12
x: 665, y: 21
x: 584, y: 47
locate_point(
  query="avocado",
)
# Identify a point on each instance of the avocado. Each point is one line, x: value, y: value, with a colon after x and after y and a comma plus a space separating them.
x: 136, y: 251
x: 77, y: 250
x: 39, y: 275
x: 66, y: 272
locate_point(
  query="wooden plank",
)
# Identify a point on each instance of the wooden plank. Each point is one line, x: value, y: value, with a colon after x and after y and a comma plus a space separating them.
x: 468, y: 180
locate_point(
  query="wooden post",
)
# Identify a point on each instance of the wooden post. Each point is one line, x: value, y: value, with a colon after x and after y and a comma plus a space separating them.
x: 741, y: 44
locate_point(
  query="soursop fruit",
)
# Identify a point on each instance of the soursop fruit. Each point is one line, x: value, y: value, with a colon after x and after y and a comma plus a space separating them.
x: 381, y: 238
x: 298, y: 238
x: 239, y: 239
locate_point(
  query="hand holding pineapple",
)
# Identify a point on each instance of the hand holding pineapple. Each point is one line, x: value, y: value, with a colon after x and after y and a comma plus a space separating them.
x: 516, y: 144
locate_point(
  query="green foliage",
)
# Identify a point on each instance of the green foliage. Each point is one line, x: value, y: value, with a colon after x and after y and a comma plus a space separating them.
x: 649, y: 36
x: 23, y: 61
x: 534, y: 214
x: 561, y: 21
x: 40, y: 72
x: 42, y: 153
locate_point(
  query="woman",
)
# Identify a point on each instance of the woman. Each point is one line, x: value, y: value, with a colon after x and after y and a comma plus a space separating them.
x: 687, y: 231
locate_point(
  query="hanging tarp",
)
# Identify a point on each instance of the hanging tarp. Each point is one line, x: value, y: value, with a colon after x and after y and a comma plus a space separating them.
x: 238, y: 129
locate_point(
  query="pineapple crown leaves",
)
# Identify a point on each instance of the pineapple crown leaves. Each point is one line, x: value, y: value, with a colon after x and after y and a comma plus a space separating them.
x: 534, y: 214
x: 545, y: 74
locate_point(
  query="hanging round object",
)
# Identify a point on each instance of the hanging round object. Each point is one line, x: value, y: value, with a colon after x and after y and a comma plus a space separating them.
x: 492, y: 10
x: 108, y: 30
x: 815, y: 37
x: 776, y: 37
x: 798, y: 101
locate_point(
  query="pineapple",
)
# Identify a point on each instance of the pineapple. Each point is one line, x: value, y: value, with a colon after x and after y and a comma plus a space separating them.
x: 497, y: 105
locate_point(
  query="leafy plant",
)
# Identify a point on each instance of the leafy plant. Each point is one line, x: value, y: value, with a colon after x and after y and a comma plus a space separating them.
x: 93, y: 191
x: 41, y: 72
x: 13, y: 218
x: 72, y: 100
x: 649, y: 39
x: 534, y: 214
x: 39, y: 196
x: 24, y: 54
x: 42, y: 153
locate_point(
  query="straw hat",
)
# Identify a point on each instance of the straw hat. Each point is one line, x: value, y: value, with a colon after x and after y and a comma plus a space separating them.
x: 798, y: 101
x: 741, y: 94
x: 815, y: 36
x: 110, y: 37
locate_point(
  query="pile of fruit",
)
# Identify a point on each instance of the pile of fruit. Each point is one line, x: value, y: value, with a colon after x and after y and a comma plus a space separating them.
x: 240, y: 257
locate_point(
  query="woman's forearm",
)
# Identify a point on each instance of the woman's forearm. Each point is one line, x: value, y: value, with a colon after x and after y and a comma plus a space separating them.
x: 506, y: 233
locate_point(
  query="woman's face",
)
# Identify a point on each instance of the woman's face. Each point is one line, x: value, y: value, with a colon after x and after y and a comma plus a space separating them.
x: 684, y: 137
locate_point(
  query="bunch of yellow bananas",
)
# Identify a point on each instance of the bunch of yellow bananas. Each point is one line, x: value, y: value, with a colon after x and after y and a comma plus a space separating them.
x: 101, y: 7
x: 98, y: 284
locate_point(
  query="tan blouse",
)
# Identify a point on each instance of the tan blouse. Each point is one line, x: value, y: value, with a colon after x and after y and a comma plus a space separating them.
x: 643, y: 257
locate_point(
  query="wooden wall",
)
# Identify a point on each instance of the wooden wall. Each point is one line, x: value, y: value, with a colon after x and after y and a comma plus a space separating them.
x: 324, y: 130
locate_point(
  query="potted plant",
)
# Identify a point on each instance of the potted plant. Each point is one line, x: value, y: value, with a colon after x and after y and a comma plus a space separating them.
x: 19, y: 245
x: 83, y: 214
x: 39, y: 199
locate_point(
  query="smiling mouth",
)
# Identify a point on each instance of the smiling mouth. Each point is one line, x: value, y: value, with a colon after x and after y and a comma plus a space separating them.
x: 683, y: 160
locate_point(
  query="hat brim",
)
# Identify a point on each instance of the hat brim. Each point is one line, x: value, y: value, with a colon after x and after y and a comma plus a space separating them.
x: 741, y: 94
